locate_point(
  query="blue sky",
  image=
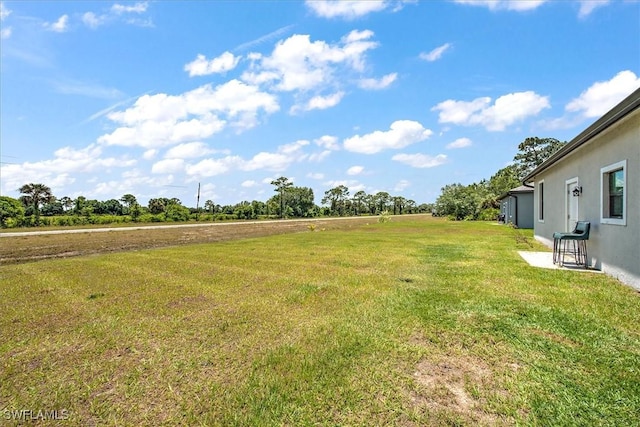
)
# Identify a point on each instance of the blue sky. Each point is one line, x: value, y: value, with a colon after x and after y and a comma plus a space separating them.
x: 151, y: 98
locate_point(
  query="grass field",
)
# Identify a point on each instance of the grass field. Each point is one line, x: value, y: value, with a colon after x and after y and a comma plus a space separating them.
x: 416, y: 322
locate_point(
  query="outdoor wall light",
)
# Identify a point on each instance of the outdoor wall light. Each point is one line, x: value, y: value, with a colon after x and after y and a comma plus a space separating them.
x: 577, y: 191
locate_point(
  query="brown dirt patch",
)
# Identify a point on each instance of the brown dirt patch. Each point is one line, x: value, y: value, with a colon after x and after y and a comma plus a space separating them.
x: 28, y: 248
x: 452, y: 389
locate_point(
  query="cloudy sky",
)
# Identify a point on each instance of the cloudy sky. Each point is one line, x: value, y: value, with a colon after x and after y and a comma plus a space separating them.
x: 151, y: 98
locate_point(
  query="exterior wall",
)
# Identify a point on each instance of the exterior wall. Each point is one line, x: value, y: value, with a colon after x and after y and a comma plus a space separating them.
x: 518, y: 209
x: 614, y: 249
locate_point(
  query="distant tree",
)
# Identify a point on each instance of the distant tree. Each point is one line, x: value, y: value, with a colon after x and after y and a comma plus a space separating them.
x: 282, y: 184
x: 504, y: 180
x: 129, y: 200
x: 11, y: 211
x: 135, y: 210
x: 458, y: 202
x: 533, y: 151
x: 244, y: 210
x: 336, y: 198
x: 53, y: 208
x: 301, y: 202
x: 35, y: 195
x: 411, y: 206
x: 78, y: 204
x: 176, y: 212
x: 157, y: 205
x: 382, y: 199
x: 113, y: 207
x: 67, y: 203
x: 209, y: 206
x: 398, y: 204
x: 358, y: 202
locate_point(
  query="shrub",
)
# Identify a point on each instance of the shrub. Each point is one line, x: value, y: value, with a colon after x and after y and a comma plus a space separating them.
x: 384, y: 217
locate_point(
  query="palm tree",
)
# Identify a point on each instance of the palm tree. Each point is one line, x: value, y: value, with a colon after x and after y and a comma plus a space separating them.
x: 36, y: 195
x: 282, y: 185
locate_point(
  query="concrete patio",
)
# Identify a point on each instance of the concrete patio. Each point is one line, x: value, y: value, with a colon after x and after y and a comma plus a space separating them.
x: 545, y: 260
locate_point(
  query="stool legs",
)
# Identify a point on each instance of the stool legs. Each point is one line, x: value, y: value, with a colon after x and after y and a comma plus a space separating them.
x: 578, y: 249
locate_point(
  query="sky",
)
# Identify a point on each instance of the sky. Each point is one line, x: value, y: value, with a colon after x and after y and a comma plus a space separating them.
x: 153, y: 98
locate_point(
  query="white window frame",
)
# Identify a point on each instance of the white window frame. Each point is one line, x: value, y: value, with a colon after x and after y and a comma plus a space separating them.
x: 604, y: 193
x: 540, y: 187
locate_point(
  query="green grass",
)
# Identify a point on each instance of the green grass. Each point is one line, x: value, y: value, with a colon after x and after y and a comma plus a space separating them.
x: 413, y: 322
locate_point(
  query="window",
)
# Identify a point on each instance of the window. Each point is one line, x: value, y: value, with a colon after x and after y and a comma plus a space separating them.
x: 541, y: 201
x: 613, y: 188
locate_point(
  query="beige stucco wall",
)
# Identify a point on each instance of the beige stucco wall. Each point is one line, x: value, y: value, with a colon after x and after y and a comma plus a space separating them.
x: 614, y: 249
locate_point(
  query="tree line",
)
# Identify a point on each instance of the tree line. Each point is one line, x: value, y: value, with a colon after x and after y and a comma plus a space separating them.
x: 479, y: 201
x: 37, y: 206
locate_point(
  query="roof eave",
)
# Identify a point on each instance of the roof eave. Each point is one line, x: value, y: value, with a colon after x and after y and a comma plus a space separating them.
x: 617, y: 113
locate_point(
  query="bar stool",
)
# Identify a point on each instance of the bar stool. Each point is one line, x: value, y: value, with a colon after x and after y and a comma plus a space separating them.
x: 578, y: 242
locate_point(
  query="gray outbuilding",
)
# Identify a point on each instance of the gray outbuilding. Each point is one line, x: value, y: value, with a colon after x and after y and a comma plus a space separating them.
x: 516, y: 207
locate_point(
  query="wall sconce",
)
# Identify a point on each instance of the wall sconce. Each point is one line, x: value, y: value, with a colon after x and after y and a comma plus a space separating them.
x: 577, y: 191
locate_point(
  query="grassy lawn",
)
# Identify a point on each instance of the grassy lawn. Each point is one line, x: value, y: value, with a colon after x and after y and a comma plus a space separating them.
x: 414, y: 322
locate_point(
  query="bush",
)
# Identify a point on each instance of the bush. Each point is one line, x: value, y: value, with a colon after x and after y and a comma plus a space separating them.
x: 384, y: 217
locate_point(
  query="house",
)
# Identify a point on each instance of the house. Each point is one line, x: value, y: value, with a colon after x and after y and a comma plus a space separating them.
x: 596, y: 178
x: 516, y: 207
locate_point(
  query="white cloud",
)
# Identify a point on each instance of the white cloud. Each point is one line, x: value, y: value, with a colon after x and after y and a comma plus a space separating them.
x: 188, y: 150
x: 604, y: 95
x: 320, y: 102
x: 212, y: 167
x: 459, y: 143
x: 271, y: 161
x: 315, y: 175
x: 355, y: 170
x: 588, y: 6
x: 506, y: 110
x: 400, y: 134
x: 319, y: 157
x: 168, y: 166
x: 298, y: 64
x: 249, y: 183
x: 67, y: 159
x: 92, y: 20
x: 150, y: 154
x: 4, y: 11
x: 347, y: 9
x: 202, y: 67
x: 401, y: 185
x: 140, y: 7
x: 119, y: 13
x: 377, y: 84
x: 436, y: 53
x: 353, y: 185
x: 278, y: 161
x: 60, y: 26
x: 161, y: 119
x: 517, y: 5
x: 327, y: 141
x: 5, y: 33
x: 420, y: 160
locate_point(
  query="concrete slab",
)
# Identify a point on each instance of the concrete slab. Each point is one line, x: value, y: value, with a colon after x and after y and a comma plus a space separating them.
x: 545, y: 260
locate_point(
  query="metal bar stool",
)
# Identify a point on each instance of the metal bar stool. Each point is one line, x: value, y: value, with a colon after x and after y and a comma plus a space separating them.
x: 574, y: 243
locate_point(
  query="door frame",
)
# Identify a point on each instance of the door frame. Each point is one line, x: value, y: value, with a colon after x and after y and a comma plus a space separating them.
x: 569, y: 198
